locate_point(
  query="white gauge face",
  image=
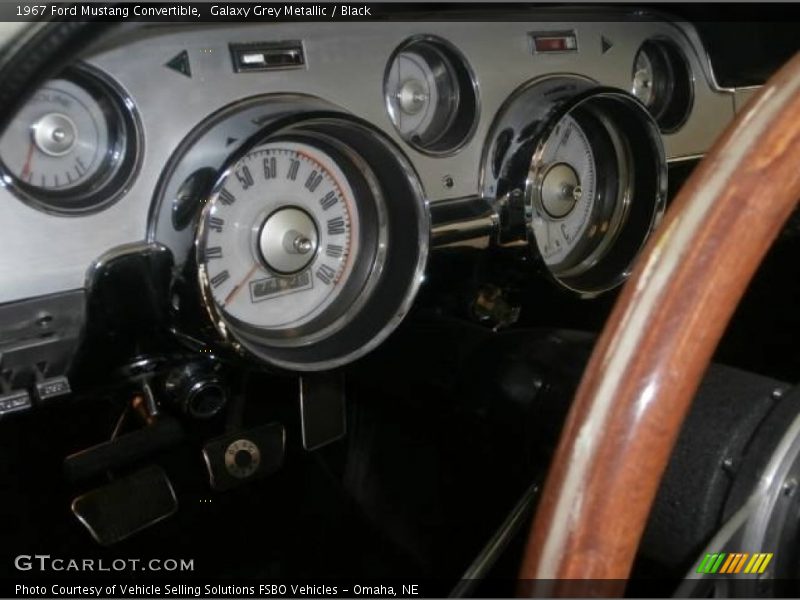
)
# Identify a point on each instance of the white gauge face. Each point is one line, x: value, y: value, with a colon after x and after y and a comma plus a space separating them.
x: 413, y: 95
x: 593, y: 173
x: 281, y: 237
x: 59, y: 140
x: 565, y: 202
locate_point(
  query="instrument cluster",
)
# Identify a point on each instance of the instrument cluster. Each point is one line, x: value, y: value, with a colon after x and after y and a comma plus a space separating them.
x: 300, y: 184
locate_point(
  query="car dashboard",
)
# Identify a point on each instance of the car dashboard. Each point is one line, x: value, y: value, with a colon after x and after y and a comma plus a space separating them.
x: 160, y: 110
x: 394, y: 241
x: 344, y: 65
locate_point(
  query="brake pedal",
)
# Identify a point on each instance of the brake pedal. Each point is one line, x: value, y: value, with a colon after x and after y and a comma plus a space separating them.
x: 126, y: 506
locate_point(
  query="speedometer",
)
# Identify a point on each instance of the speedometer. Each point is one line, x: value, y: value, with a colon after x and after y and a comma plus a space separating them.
x: 283, y: 237
x: 312, y: 244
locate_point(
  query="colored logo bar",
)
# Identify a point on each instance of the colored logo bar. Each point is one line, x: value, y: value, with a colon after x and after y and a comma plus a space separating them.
x: 735, y: 562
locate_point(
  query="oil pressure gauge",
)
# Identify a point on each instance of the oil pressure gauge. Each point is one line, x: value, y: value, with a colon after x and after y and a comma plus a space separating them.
x: 72, y: 146
x: 312, y: 244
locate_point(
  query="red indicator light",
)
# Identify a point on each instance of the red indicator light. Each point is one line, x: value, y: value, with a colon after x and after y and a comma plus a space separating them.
x: 555, y: 42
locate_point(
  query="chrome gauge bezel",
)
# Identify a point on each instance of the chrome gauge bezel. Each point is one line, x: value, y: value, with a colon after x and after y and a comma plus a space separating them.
x: 612, y: 186
x: 634, y: 186
x: 207, y: 150
x: 514, y: 163
x: 504, y: 161
x: 386, y: 283
x: 673, y: 80
x: 120, y: 163
x: 460, y: 130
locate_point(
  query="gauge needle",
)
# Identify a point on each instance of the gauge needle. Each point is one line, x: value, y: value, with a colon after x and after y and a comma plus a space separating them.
x: 26, y: 168
x: 238, y: 287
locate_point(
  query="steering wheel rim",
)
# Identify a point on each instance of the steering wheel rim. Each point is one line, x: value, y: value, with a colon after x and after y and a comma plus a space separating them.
x: 657, y: 343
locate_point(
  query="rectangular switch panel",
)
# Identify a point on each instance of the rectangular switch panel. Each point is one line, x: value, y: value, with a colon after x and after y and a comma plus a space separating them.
x: 267, y: 56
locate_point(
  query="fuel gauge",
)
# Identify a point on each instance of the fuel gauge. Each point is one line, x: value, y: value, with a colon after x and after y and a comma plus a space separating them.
x: 71, y: 147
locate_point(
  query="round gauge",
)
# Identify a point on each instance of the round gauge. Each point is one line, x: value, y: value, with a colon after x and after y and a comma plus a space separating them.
x: 573, y: 220
x: 579, y: 173
x: 565, y: 200
x: 280, y: 251
x: 430, y: 95
x: 71, y: 147
x: 662, y: 81
x: 594, y: 189
x: 300, y: 252
x: 63, y: 135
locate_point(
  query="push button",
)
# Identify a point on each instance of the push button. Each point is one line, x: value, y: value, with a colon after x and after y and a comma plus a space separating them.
x: 54, y: 387
x: 13, y: 402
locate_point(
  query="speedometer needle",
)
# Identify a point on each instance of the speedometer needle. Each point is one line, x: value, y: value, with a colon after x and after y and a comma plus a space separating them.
x: 238, y: 287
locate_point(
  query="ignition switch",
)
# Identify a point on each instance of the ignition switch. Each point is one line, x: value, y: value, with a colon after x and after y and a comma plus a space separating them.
x: 196, y: 389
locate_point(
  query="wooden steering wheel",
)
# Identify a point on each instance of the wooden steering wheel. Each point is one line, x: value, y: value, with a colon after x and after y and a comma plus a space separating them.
x: 657, y: 343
